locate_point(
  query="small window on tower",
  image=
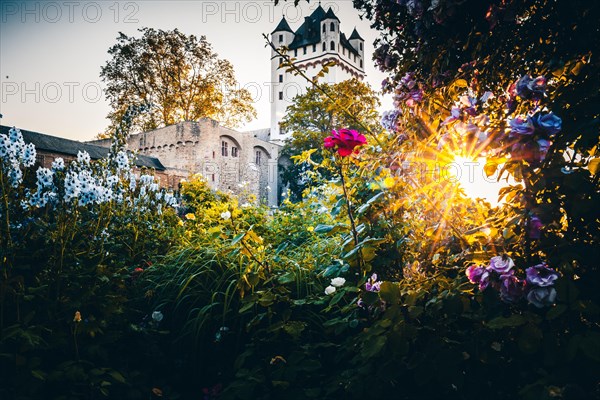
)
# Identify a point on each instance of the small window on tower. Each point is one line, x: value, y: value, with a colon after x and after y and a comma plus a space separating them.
x: 360, y: 45
x: 343, y: 51
x: 280, y: 38
x: 234, y: 152
x: 280, y: 95
x: 280, y: 78
x: 332, y: 27
x: 332, y: 46
x: 314, y: 48
x: 258, y: 157
x: 324, y: 46
x: 361, y: 63
x: 224, y: 146
x: 324, y: 28
x: 295, y: 52
x: 213, y: 177
x: 304, y: 48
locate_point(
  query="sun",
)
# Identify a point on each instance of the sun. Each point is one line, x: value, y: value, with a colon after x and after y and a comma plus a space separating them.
x: 470, y: 174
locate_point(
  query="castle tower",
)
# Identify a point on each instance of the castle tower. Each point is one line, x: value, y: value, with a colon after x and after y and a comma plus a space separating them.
x: 317, y: 41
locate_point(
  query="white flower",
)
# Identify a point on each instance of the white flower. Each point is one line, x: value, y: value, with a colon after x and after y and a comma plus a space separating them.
x: 226, y: 215
x: 146, y: 179
x: 44, y: 177
x: 15, y: 175
x: 29, y: 155
x: 83, y: 157
x: 338, y: 282
x: 157, y: 316
x: 330, y: 290
x: 245, y: 205
x: 4, y: 144
x: 58, y: 164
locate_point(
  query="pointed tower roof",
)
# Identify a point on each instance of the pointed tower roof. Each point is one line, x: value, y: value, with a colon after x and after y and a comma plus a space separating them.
x: 283, y: 26
x: 319, y: 14
x: 331, y: 15
x: 355, y: 35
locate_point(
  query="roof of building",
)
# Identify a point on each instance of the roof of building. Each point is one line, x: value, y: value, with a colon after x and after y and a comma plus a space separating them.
x: 355, y: 35
x: 59, y: 145
x: 347, y: 44
x: 309, y: 33
x: 331, y: 15
x: 283, y: 26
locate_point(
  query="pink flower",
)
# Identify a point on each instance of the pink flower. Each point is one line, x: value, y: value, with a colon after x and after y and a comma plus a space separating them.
x: 346, y: 140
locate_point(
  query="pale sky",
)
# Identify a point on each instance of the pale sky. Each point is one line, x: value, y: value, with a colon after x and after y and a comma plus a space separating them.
x: 51, y: 52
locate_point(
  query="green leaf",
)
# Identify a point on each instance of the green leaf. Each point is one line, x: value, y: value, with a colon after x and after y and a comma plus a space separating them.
x: 288, y: 277
x: 555, y: 311
x: 506, y: 322
x: 390, y: 292
x: 590, y: 345
x: 373, y: 346
x: 237, y: 238
x: 370, y: 298
x: 116, y: 375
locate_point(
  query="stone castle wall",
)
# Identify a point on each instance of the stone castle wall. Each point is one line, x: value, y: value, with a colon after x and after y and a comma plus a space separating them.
x: 232, y: 162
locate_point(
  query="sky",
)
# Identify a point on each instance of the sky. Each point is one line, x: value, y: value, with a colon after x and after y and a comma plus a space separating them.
x: 51, y: 53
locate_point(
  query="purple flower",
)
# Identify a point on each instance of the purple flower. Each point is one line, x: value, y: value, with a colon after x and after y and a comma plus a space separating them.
x: 478, y: 275
x: 511, y: 288
x: 541, y: 275
x: 535, y: 227
x: 372, y: 284
x: 541, y: 296
x: 543, y: 147
x: 521, y: 126
x: 528, y: 87
x: 389, y: 120
x: 501, y: 264
x: 549, y: 123
x: 474, y: 273
x: 454, y: 115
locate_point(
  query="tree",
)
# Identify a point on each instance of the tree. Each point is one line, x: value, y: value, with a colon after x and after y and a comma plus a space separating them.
x: 179, y: 75
x: 312, y: 116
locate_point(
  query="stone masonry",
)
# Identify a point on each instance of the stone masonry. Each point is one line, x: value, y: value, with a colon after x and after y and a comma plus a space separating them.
x: 233, y: 162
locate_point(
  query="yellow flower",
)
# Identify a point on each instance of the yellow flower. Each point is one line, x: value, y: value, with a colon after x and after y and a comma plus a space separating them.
x: 190, y: 216
x: 180, y: 223
x: 77, y: 317
x: 310, y: 228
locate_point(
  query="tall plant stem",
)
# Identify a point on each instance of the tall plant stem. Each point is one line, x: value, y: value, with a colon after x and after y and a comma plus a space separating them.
x: 350, y: 215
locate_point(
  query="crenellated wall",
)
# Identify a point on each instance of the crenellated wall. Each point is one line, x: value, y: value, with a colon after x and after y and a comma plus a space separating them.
x: 231, y: 161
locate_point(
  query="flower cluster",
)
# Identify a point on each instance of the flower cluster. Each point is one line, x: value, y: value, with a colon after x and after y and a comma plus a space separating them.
x: 81, y: 183
x: 14, y: 154
x: 389, y: 120
x: 537, y: 287
x: 408, y: 91
x: 531, y: 136
x: 345, y: 140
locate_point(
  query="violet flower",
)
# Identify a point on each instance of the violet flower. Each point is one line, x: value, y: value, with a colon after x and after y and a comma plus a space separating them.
x: 541, y: 275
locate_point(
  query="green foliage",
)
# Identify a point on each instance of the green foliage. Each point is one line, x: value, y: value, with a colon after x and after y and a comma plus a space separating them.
x: 311, y: 117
